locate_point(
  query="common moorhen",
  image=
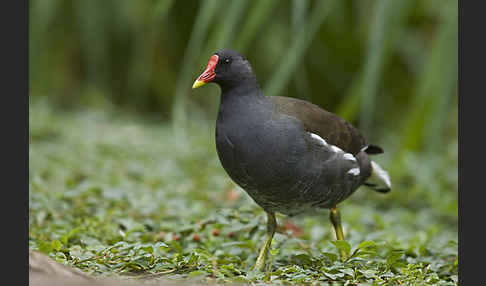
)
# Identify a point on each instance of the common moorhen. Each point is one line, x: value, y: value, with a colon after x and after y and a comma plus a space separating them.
x: 289, y: 155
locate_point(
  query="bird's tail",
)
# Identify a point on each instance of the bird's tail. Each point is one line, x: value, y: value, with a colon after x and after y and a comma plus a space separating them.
x: 379, y: 179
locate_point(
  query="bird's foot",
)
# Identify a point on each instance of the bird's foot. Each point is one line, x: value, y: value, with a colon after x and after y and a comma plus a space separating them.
x: 262, y: 256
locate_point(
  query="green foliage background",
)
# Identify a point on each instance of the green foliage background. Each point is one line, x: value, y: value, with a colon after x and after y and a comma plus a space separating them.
x: 126, y: 67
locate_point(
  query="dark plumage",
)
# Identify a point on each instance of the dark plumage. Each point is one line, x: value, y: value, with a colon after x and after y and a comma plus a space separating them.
x: 289, y: 155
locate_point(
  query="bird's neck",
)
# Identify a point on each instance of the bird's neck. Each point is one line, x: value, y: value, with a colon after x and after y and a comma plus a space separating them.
x: 245, y: 86
x: 240, y: 100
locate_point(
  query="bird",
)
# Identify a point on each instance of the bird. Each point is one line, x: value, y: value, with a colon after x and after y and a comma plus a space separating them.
x: 289, y: 155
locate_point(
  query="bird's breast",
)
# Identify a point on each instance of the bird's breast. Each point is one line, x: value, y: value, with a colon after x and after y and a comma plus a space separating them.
x: 259, y: 152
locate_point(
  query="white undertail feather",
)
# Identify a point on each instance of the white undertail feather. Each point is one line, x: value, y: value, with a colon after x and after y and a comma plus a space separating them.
x: 379, y: 179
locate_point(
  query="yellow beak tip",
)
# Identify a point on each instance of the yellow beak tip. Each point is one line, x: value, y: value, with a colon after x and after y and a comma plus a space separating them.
x: 198, y: 83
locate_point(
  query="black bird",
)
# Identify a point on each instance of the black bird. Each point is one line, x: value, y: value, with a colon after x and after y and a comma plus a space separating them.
x: 289, y: 155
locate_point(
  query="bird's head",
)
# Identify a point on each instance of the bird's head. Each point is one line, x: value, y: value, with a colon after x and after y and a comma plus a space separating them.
x: 227, y: 68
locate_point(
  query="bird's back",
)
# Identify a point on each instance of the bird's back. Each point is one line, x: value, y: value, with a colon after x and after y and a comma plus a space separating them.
x: 327, y: 125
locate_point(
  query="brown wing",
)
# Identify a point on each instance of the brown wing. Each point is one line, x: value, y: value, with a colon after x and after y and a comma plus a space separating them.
x: 327, y: 125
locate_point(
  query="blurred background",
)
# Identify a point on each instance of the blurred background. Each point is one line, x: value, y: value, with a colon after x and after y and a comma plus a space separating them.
x: 117, y: 75
x: 387, y: 66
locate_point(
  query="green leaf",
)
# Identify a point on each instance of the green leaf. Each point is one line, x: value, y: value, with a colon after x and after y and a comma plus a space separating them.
x: 368, y: 273
x: 342, y: 245
x: 160, y: 244
x: 56, y: 245
x: 348, y: 271
x: 366, y: 244
x: 333, y: 257
x: 65, y: 238
x: 274, y: 251
x: 45, y: 247
x: 334, y: 276
x: 454, y: 278
x: 393, y: 257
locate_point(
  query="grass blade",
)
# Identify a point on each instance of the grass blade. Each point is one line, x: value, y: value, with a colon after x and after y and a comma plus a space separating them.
x: 389, y: 16
x: 298, y: 48
x: 226, y: 29
x: 143, y: 53
x: 436, y: 87
x: 94, y: 26
x: 256, y: 19
x: 183, y: 86
x: 299, y: 14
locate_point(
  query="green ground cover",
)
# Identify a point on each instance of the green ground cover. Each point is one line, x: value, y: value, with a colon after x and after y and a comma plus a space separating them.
x: 113, y: 194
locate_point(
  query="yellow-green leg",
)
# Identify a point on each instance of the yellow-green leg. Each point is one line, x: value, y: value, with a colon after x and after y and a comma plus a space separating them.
x: 335, y: 217
x: 271, y: 227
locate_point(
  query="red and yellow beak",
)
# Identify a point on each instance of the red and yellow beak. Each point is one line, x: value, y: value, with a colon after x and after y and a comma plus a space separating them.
x: 208, y: 74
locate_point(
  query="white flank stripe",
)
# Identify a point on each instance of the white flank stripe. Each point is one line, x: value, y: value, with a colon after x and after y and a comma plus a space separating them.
x: 336, y: 149
x: 317, y: 137
x: 348, y: 156
x: 354, y: 171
